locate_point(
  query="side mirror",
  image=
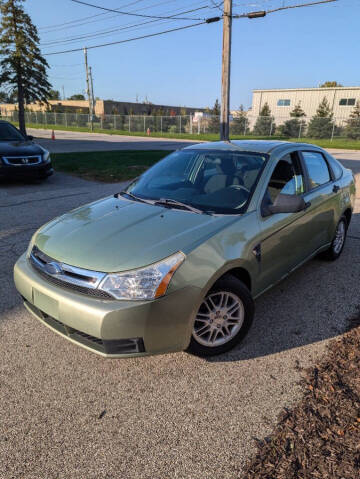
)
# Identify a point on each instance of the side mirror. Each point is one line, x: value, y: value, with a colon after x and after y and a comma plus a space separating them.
x: 287, y: 204
x: 30, y: 137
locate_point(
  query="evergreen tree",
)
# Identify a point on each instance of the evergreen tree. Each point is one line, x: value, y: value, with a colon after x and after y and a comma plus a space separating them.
x: 239, y: 125
x: 214, y: 122
x: 321, y: 125
x: 77, y: 96
x: 22, y: 67
x: 352, y: 128
x: 54, y: 94
x: 295, y: 127
x: 265, y: 124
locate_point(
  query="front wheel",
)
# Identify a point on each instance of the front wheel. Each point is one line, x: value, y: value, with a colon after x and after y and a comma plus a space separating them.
x: 223, y: 319
x: 338, y: 241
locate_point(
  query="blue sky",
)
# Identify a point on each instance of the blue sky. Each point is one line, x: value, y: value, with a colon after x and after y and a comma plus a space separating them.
x: 295, y: 48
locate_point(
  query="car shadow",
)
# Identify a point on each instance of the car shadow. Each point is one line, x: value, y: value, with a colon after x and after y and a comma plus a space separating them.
x: 313, y: 304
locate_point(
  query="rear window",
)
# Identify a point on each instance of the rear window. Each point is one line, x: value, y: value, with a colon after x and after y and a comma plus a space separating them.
x: 336, y: 167
x: 317, y: 168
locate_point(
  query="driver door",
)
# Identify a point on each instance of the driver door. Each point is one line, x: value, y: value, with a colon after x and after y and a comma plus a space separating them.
x: 284, y: 236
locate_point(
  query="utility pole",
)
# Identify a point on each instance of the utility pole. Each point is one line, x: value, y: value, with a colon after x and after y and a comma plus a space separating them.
x: 225, y: 79
x: 63, y: 92
x: 92, y: 92
x: 88, y: 90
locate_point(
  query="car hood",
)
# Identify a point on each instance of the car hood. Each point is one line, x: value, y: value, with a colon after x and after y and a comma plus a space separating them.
x: 117, y: 234
x: 16, y: 148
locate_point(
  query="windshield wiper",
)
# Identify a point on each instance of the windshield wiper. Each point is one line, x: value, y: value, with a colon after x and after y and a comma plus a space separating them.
x: 169, y: 202
x: 134, y: 197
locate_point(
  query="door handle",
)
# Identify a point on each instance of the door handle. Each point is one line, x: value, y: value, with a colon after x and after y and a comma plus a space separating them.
x: 307, y: 205
x: 336, y: 188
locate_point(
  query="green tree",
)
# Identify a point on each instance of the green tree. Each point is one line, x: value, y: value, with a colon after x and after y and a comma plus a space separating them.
x: 53, y: 95
x: 330, y: 84
x: 265, y: 124
x: 3, y: 97
x: 352, y: 128
x: 295, y: 127
x: 214, y: 121
x: 321, y: 124
x: 240, y: 123
x: 22, y: 67
x: 77, y: 96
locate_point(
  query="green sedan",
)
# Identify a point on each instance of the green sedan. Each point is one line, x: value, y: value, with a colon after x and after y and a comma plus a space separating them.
x: 176, y: 259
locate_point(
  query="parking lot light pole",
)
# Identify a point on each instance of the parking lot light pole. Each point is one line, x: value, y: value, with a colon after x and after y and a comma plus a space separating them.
x: 225, y: 79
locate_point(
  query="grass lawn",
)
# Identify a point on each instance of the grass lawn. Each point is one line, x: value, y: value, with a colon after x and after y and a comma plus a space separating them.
x: 108, y: 166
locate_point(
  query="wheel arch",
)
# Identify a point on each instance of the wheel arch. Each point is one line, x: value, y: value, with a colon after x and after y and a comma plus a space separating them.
x: 241, y: 274
x: 348, y: 214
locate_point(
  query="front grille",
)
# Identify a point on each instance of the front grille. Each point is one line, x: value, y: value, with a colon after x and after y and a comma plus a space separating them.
x: 22, y: 160
x: 95, y: 293
x: 106, y: 346
x: 69, y: 279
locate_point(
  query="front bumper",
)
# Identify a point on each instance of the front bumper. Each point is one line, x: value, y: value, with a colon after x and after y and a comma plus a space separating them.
x: 161, y: 326
x: 43, y: 170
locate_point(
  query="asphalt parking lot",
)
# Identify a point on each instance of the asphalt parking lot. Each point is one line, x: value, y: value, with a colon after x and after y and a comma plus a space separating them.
x: 67, y: 413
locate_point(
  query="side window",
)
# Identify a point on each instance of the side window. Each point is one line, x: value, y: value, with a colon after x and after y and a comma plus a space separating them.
x: 317, y: 168
x: 336, y: 167
x: 287, y: 178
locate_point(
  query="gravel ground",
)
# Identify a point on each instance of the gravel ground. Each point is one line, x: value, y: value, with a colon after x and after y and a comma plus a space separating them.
x: 67, y: 413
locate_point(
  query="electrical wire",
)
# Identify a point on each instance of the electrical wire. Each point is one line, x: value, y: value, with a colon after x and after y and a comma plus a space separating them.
x: 136, y: 14
x: 129, y: 39
x: 107, y: 31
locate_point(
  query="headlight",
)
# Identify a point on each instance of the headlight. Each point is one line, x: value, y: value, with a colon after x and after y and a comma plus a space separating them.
x: 46, y: 156
x: 145, y: 283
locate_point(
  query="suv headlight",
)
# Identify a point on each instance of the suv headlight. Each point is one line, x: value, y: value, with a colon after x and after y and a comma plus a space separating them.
x: 145, y: 283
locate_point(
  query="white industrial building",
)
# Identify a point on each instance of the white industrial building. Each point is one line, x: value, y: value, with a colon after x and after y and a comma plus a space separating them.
x: 282, y: 101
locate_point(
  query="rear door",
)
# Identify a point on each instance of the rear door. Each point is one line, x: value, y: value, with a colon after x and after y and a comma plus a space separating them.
x: 322, y: 195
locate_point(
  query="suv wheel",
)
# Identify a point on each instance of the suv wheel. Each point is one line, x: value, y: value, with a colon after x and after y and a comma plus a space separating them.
x: 223, y: 319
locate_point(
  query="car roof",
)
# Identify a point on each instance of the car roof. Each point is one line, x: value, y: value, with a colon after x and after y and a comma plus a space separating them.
x: 258, y: 146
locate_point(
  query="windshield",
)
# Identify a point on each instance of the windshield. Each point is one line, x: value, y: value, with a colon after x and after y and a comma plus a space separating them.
x: 213, y: 181
x: 9, y: 133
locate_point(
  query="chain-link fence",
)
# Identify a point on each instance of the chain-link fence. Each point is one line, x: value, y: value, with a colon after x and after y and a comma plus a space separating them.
x: 244, y: 125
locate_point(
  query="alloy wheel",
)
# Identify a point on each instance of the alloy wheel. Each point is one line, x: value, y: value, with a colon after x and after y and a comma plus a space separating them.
x: 219, y: 319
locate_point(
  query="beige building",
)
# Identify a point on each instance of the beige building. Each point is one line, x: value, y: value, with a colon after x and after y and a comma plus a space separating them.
x: 282, y: 101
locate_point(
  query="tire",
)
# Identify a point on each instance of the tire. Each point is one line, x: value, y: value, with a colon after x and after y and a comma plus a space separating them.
x: 336, y: 248
x: 228, y: 295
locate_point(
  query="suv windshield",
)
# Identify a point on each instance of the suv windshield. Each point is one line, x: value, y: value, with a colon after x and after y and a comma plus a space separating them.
x: 213, y: 181
x: 9, y: 133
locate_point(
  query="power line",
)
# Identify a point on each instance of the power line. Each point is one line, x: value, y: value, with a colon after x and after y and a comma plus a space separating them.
x: 136, y: 14
x: 262, y: 13
x: 133, y: 39
x: 81, y: 19
x: 109, y: 31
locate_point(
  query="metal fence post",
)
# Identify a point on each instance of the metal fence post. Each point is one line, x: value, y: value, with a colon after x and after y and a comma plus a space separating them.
x: 161, y: 124
x: 190, y: 123
x: 129, y: 124
x: 199, y: 126
x: 144, y: 124
x: 66, y: 122
x: 101, y: 122
x: 180, y: 124
x: 300, y: 129
x: 333, y: 131
x: 114, y: 122
x: 271, y: 124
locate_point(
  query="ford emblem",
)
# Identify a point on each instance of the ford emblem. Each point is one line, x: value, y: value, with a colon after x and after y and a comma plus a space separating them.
x: 53, y: 268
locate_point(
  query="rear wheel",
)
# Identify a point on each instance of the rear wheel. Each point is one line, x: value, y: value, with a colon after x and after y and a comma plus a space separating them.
x: 338, y: 241
x: 223, y: 319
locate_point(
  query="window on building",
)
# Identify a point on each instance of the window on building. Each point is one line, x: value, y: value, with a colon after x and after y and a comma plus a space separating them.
x: 317, y: 168
x: 283, y: 103
x: 347, y: 102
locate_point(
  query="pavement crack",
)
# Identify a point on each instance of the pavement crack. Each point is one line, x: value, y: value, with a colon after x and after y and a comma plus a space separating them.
x: 43, y: 199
